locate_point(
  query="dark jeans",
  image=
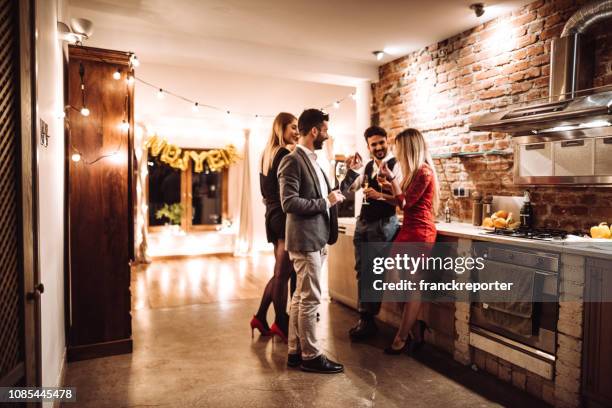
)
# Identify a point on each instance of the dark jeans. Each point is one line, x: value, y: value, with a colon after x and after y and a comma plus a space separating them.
x: 374, y: 231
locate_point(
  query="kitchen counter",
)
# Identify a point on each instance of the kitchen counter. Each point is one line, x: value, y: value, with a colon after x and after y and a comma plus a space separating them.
x: 574, y: 245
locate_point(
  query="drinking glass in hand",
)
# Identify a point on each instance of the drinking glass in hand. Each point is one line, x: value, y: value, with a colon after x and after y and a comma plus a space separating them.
x: 365, y: 186
x: 341, y: 171
x: 381, y: 179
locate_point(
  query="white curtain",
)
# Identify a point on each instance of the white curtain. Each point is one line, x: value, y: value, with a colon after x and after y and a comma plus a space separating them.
x: 244, y: 240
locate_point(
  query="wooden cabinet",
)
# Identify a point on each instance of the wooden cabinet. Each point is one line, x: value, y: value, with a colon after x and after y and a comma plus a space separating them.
x: 597, y: 344
x: 100, y: 210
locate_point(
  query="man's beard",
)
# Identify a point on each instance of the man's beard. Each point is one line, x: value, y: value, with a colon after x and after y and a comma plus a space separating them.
x: 318, y: 144
x: 380, y: 154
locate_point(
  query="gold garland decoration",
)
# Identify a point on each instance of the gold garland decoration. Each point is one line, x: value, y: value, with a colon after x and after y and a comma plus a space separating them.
x: 174, y: 156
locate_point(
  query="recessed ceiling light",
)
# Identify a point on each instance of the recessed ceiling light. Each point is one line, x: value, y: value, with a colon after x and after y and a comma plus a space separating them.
x: 378, y: 54
x: 478, y: 9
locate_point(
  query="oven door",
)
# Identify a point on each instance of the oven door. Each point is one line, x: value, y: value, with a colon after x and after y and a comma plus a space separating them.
x: 539, y: 329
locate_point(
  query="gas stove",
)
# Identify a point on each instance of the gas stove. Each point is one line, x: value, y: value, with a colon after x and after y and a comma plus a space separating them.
x: 542, y: 234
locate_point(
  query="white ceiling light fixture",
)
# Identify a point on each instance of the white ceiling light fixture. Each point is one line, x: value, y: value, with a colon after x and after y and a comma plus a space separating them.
x: 378, y: 54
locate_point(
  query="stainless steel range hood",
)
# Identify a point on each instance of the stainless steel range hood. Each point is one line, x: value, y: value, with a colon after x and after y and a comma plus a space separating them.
x: 571, y: 70
x: 580, y: 112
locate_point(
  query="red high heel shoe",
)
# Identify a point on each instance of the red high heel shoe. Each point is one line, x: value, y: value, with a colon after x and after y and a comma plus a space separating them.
x: 257, y: 324
x: 276, y: 331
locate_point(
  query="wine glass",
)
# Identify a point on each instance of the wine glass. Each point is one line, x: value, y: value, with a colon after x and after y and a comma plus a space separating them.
x: 341, y: 170
x: 380, y: 178
x: 365, y: 185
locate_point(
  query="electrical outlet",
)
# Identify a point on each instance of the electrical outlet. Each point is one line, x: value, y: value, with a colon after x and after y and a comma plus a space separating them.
x: 461, y: 192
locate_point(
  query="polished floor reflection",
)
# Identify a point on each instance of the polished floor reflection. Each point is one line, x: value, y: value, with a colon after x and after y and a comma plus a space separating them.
x: 198, y: 280
x: 193, y: 348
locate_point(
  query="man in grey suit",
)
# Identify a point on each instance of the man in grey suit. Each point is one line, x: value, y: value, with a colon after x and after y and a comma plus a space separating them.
x: 312, y: 223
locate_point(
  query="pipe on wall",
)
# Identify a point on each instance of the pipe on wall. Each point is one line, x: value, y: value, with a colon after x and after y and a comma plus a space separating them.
x: 586, y: 16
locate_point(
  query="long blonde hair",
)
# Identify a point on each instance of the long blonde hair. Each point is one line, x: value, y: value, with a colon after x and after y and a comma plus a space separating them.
x: 411, y: 152
x: 276, y: 140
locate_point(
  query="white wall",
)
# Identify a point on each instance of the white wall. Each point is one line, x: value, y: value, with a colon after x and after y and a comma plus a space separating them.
x: 49, y: 69
x: 255, y: 94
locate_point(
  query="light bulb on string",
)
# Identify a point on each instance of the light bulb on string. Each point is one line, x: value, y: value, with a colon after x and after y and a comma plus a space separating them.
x: 134, y: 60
x: 124, y: 126
x: 117, y: 75
x: 84, y: 111
x: 76, y: 157
x: 129, y: 79
x: 195, y: 108
x: 336, y: 104
x: 353, y: 96
x: 160, y: 94
x: 258, y: 118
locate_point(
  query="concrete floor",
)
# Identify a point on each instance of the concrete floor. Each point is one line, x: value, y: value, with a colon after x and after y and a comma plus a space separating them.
x: 202, y: 355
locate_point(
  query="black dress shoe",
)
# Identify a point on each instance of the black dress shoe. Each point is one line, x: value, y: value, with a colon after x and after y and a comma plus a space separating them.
x: 294, y: 360
x: 321, y: 365
x: 366, y: 327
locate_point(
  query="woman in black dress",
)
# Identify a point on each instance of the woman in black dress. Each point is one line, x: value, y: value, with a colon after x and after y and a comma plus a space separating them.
x: 283, y: 137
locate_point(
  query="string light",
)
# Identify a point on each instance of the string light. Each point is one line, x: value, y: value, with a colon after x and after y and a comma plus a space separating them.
x: 353, y: 96
x: 124, y: 126
x: 196, y: 106
x: 76, y: 157
x: 84, y: 111
x: 130, y: 79
x: 134, y: 60
x: 117, y: 75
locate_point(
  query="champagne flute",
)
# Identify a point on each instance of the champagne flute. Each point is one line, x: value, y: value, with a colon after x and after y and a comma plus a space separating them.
x: 341, y: 170
x: 365, y: 185
x: 380, y: 178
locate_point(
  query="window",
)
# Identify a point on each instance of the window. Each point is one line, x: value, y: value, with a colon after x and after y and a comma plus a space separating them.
x: 195, y: 201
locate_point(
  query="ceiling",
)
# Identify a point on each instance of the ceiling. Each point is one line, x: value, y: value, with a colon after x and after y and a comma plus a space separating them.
x: 316, y: 40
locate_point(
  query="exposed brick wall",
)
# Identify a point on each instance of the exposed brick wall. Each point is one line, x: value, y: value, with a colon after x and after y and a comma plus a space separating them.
x: 441, y: 88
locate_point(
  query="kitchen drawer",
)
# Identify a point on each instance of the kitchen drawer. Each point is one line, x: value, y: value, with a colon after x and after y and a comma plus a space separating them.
x: 535, y: 159
x: 574, y: 157
x: 603, y: 156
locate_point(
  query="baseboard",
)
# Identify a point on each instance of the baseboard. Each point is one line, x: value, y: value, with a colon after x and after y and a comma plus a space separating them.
x: 61, y: 378
x: 96, y: 350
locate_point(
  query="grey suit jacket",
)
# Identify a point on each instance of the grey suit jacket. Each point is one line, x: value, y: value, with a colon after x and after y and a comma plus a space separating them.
x: 308, y: 226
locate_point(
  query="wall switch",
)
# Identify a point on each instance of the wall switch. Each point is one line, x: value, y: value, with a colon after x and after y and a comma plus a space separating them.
x: 44, y: 133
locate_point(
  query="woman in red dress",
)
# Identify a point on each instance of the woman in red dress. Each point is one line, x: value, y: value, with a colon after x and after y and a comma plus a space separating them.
x: 417, y: 194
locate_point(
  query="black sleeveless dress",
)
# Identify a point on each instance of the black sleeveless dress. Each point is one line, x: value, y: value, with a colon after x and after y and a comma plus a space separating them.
x: 275, y: 217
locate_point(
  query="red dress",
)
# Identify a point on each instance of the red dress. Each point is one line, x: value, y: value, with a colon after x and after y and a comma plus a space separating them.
x: 417, y: 203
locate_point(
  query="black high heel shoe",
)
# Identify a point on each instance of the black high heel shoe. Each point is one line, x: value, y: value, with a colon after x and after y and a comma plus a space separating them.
x: 406, y: 348
x: 423, y: 326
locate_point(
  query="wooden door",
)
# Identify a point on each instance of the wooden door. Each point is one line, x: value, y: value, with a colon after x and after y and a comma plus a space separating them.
x: 100, y: 209
x: 19, y: 301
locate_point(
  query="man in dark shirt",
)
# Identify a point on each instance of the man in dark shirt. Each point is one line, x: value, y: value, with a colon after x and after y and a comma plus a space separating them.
x: 377, y: 221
